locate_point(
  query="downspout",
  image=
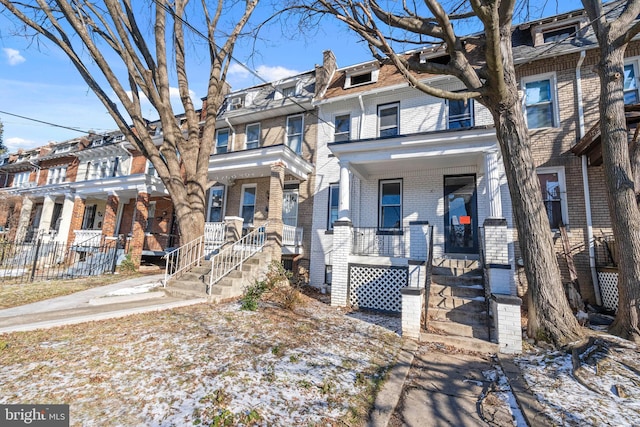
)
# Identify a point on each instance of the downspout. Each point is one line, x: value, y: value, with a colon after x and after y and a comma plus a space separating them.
x: 585, y: 184
x: 233, y: 138
x: 361, y: 116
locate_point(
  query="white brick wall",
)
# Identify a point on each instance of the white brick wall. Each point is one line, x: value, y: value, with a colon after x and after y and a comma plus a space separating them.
x: 341, y: 251
x: 508, y: 326
x: 412, y: 304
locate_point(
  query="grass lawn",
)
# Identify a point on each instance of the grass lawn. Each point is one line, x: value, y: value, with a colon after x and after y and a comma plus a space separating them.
x: 206, y: 364
x: 13, y: 295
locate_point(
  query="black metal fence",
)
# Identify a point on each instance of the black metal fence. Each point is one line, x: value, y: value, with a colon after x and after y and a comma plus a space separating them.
x: 43, y: 258
x: 373, y: 241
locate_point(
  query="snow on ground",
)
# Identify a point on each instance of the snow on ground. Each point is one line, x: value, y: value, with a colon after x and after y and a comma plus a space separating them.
x: 140, y: 289
x: 201, y: 364
x: 604, y: 390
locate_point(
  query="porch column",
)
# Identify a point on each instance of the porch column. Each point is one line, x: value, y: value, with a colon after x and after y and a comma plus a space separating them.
x: 344, y: 204
x: 25, y: 218
x: 47, y: 213
x: 110, y: 215
x: 342, y: 241
x: 492, y: 179
x: 76, y: 218
x: 66, y: 217
x: 275, y: 226
x: 139, y: 226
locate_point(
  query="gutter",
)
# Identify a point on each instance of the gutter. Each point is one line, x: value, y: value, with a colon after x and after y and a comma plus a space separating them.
x: 585, y: 184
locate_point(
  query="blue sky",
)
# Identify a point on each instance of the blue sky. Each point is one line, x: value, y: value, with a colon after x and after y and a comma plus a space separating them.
x: 41, y: 83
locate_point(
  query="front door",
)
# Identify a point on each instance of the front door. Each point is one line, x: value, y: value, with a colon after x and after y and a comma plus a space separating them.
x: 460, y: 214
x: 290, y: 207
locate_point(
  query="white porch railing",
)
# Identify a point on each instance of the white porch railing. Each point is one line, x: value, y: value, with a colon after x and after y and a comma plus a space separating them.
x: 375, y: 242
x: 291, y: 236
x: 87, y: 237
x: 235, y: 254
x: 180, y: 260
x: 214, y: 233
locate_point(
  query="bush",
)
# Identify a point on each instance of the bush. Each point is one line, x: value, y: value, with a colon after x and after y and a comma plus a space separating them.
x: 276, y: 287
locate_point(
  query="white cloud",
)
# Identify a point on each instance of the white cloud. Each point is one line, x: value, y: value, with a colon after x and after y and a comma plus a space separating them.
x: 174, y: 95
x: 237, y: 70
x: 13, y: 144
x: 13, y: 56
x: 275, y: 73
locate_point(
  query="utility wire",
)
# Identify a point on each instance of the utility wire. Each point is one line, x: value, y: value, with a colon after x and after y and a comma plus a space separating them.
x: 46, y: 123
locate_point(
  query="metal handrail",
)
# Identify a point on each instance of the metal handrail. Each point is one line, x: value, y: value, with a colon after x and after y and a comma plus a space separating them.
x: 179, y: 260
x: 235, y: 254
x: 380, y: 242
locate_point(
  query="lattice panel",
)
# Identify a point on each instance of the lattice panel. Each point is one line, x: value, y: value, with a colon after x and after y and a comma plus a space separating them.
x: 377, y: 288
x: 609, y: 289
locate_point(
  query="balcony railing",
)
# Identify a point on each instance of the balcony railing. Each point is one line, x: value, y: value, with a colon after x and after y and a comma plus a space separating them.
x: 375, y: 242
x: 214, y: 233
x: 291, y: 236
x: 87, y: 237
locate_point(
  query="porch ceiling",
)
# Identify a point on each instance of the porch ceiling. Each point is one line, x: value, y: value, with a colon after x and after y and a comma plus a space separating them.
x: 123, y: 186
x: 418, y: 151
x: 255, y: 163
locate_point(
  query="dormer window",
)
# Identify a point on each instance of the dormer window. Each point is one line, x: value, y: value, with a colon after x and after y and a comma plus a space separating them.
x: 361, y: 75
x: 64, y: 149
x: 236, y: 102
x: 557, y: 31
x: 288, y: 91
x: 559, y: 34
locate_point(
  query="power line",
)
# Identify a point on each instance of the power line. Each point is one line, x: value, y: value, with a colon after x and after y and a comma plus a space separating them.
x: 44, y: 122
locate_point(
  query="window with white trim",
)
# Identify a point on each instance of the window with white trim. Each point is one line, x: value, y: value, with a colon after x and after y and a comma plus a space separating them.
x: 288, y: 91
x: 342, y: 129
x: 216, y: 203
x: 295, y: 126
x: 554, y: 35
x: 388, y: 122
x: 630, y: 84
x: 21, y: 179
x: 57, y: 175
x: 253, y: 136
x: 390, y: 204
x: 361, y: 75
x: 540, y: 101
x: 248, y: 203
x: 460, y: 113
x: 554, y: 192
x: 334, y: 195
x: 222, y: 141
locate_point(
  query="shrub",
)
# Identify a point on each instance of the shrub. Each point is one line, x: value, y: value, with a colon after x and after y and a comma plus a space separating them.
x: 276, y: 286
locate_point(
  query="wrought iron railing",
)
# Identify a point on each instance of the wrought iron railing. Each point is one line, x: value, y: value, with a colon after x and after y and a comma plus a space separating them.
x: 292, y: 236
x: 87, y: 237
x: 377, y: 242
x: 235, y: 254
x: 182, y: 259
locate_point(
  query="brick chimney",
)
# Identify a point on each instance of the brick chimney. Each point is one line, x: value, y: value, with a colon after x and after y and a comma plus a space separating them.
x: 324, y: 72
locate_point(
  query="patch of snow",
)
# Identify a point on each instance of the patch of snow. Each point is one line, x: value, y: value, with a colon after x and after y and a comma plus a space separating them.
x: 140, y: 289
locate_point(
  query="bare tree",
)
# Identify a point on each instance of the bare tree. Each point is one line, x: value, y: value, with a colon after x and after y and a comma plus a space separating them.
x: 484, y: 64
x: 614, y: 31
x: 103, y: 37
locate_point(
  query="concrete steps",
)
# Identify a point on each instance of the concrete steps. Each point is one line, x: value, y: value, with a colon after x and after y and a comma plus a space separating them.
x: 456, y: 300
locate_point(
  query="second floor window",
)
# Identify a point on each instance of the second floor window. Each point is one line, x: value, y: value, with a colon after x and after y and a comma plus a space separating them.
x: 21, y: 179
x: 294, y: 133
x: 342, y: 128
x: 630, y: 85
x: 222, y: 141
x: 57, y: 175
x: 388, y: 120
x: 253, y: 136
x: 540, y: 103
x: 460, y: 113
x: 103, y: 168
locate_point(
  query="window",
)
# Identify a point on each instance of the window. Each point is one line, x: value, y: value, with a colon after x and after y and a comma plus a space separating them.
x: 236, y: 102
x: 294, y: 133
x: 460, y: 113
x: 21, y: 179
x: 342, y: 127
x: 222, y: 141
x: 361, y: 75
x: 558, y: 34
x: 390, y: 214
x: 539, y: 103
x: 630, y: 85
x: 288, y: 91
x: 115, y: 165
x: 216, y: 203
x: 151, y: 170
x: 89, y: 217
x: 57, y: 175
x: 360, y: 79
x: 334, y: 195
x: 387, y: 120
x: 552, y: 186
x: 290, y: 205
x: 253, y: 136
x: 151, y: 213
x: 248, y: 208
x: 56, y: 217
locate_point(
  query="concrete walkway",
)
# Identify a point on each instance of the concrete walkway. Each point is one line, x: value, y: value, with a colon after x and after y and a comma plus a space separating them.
x: 90, y: 305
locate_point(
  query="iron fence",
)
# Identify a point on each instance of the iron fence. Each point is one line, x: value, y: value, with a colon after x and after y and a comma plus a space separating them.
x: 377, y: 242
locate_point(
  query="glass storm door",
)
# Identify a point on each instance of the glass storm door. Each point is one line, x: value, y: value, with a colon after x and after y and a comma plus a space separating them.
x: 460, y: 214
x: 290, y: 207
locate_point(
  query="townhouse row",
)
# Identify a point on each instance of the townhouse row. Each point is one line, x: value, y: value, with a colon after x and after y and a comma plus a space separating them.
x: 360, y: 147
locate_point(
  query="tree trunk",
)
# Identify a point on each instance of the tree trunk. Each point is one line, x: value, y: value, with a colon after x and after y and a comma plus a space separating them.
x: 621, y: 196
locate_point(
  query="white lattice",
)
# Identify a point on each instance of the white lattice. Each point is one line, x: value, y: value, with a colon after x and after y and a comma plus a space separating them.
x: 377, y: 288
x: 609, y: 289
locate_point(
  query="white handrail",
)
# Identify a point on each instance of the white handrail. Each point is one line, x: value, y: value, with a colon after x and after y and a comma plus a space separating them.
x: 183, y: 258
x: 214, y: 233
x: 235, y: 254
x: 291, y: 236
x: 87, y: 237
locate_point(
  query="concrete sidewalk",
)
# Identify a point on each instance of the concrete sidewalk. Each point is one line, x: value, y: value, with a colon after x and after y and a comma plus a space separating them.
x: 90, y: 305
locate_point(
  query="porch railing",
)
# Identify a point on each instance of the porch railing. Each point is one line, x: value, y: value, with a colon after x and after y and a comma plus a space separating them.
x: 87, y: 237
x: 235, y: 254
x: 214, y: 233
x: 292, y: 236
x: 376, y: 242
x: 180, y: 260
